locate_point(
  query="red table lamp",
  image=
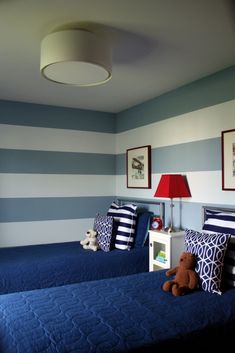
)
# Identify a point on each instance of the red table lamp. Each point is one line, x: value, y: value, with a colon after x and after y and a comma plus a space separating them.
x: 171, y: 186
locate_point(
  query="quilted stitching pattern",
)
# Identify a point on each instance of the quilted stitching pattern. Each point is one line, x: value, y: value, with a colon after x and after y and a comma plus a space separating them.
x: 50, y: 265
x: 115, y: 315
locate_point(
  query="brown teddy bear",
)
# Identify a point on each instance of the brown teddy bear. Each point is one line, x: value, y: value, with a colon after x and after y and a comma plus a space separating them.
x: 185, y: 276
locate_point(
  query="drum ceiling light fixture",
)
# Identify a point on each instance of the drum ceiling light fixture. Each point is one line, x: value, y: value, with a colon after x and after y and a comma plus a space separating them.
x: 76, y: 57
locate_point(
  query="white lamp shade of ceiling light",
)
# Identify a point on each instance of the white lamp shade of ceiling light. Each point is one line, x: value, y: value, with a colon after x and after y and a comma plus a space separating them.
x: 76, y: 57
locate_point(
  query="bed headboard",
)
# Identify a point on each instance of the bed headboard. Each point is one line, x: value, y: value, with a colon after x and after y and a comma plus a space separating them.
x: 216, y: 209
x: 147, y: 202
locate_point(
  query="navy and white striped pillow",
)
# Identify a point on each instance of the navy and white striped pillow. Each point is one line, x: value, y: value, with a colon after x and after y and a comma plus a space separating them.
x: 223, y: 222
x: 126, y: 217
x: 219, y: 222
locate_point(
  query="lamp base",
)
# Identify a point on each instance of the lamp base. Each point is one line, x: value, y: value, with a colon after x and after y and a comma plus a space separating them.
x: 170, y: 230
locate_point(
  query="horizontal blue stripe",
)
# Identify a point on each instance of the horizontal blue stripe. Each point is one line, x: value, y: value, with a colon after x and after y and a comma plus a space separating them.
x: 47, y: 162
x: 55, y: 208
x: 211, y: 90
x: 187, y: 214
x: 221, y: 216
x: 201, y: 155
x: 126, y: 225
x: 208, y: 91
x: 218, y: 229
x: 28, y: 114
x: 193, y: 156
x: 121, y: 164
x: 224, y: 218
x: 123, y: 216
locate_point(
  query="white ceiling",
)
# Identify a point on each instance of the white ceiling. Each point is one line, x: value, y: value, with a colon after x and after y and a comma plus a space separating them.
x: 158, y: 45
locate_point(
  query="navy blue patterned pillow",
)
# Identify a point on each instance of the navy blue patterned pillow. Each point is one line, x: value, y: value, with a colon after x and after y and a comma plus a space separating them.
x: 104, y: 226
x: 210, y: 251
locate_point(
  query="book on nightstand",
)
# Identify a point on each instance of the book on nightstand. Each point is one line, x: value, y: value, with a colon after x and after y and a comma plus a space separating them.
x: 161, y: 256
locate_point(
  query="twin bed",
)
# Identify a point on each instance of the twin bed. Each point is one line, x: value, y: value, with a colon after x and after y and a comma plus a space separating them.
x: 129, y: 313
x: 50, y: 265
x: 124, y: 314
x: 31, y: 267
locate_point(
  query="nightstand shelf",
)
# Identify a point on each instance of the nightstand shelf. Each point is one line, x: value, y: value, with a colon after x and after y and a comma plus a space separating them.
x: 166, y: 247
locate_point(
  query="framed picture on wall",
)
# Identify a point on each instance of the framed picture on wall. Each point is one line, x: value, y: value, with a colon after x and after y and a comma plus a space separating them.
x: 138, y: 166
x: 228, y: 159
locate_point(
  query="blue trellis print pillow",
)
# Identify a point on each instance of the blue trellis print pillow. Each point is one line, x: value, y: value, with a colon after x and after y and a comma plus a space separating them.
x: 210, y: 251
x: 104, y: 226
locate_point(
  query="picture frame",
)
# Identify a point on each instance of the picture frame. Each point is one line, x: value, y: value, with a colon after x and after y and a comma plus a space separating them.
x: 228, y: 159
x: 138, y: 167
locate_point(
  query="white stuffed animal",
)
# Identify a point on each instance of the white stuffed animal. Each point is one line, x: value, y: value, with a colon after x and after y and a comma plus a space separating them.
x: 90, y: 242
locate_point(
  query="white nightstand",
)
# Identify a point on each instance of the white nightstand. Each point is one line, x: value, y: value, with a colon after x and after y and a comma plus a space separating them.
x: 161, y: 243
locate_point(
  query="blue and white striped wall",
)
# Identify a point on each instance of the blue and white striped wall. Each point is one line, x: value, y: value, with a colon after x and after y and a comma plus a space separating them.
x: 184, y: 129
x: 60, y: 166
x: 57, y: 169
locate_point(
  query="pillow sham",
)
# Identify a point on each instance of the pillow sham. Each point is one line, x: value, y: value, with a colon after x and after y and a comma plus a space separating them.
x: 228, y: 275
x: 224, y: 222
x: 210, y: 251
x: 126, y: 217
x: 220, y: 222
x: 104, y: 226
x: 142, y: 228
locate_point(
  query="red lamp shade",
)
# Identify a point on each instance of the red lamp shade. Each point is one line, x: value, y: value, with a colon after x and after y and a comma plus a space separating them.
x: 172, y: 185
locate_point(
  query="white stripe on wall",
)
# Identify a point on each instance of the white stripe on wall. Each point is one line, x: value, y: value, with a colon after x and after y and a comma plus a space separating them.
x: 59, y: 140
x: 122, y: 190
x: 205, y: 187
x: 56, y: 185
x: 25, y: 233
x: 198, y: 125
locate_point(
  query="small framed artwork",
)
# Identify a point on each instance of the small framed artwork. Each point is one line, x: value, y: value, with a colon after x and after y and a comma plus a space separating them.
x: 138, y: 165
x: 228, y: 159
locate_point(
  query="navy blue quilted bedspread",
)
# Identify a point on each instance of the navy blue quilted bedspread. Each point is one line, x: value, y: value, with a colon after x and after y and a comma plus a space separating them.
x: 124, y: 314
x: 41, y: 266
